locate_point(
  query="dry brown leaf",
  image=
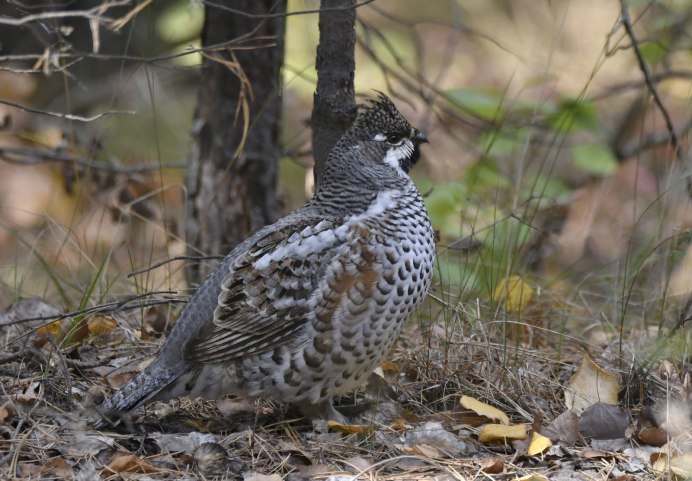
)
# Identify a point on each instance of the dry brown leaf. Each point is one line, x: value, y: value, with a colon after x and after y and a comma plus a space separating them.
x: 261, y: 477
x: 484, y: 409
x: 603, y: 421
x: 101, y: 325
x: 589, y: 385
x: 590, y: 453
x: 652, y: 436
x: 563, y: 429
x: 4, y: 414
x: 493, y: 465
x: 129, y: 463
x: 493, y: 433
x: 532, y: 477
x: 57, y: 467
x: 348, y: 428
x: 52, y: 329
x: 539, y: 444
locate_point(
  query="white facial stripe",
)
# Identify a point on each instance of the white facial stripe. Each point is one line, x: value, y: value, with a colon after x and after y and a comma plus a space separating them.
x: 379, y: 137
x: 397, y: 154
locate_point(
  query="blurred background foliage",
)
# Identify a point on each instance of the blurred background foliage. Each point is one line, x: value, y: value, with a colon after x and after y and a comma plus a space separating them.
x: 548, y: 159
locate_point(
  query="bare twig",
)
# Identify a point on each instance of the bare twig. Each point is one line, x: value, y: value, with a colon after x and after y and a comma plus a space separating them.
x: 31, y: 156
x: 61, y: 115
x: 173, y: 259
x: 649, y: 80
x: 95, y: 13
x: 651, y: 140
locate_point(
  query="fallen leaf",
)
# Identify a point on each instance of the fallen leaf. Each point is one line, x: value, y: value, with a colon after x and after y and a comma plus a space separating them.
x: 348, y: 428
x: 435, y: 435
x: 51, y: 329
x: 484, y: 409
x: 652, y: 436
x: 539, y: 443
x: 129, y: 463
x: 424, y: 450
x: 492, y: 433
x: 563, y: 429
x: 589, y: 385
x: 251, y: 476
x: 101, y: 325
x: 532, y: 477
x: 514, y: 292
x: 4, y: 414
x: 679, y: 464
x: 603, y: 421
x: 492, y: 465
x: 57, y: 467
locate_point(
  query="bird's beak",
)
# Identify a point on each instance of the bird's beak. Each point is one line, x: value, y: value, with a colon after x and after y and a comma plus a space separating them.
x: 420, y: 137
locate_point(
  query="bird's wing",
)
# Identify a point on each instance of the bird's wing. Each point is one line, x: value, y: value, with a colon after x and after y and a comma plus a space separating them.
x: 265, y: 297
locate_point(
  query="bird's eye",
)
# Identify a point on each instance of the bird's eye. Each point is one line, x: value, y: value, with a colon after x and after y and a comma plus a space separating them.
x: 393, y: 138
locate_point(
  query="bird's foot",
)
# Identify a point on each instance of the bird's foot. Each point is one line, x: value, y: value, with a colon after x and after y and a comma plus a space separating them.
x: 323, y: 410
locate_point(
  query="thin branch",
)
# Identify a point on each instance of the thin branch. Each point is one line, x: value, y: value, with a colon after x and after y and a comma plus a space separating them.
x: 93, y: 13
x: 649, y: 79
x: 156, y: 265
x: 61, y: 115
x: 31, y: 156
x: 656, y: 78
x: 651, y: 140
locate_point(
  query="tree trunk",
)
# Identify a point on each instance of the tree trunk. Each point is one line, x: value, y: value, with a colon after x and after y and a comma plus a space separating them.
x: 231, y: 180
x: 334, y: 108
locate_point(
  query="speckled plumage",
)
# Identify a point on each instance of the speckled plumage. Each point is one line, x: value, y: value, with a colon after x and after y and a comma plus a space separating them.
x: 307, y: 307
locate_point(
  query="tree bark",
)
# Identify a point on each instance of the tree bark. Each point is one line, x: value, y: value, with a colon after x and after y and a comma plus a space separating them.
x: 334, y: 108
x: 231, y: 180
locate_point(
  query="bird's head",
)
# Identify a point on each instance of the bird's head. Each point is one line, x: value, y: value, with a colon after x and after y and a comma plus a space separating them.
x: 382, y: 130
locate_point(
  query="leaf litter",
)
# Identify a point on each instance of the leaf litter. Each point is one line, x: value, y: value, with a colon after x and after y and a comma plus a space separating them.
x: 456, y: 408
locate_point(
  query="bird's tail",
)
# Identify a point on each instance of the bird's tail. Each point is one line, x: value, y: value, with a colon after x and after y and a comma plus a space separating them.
x: 138, y: 392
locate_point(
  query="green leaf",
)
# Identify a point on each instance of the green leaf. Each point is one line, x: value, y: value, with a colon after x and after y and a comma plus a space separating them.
x: 595, y: 159
x: 479, y: 104
x: 573, y: 115
x: 653, y: 52
x: 498, y: 143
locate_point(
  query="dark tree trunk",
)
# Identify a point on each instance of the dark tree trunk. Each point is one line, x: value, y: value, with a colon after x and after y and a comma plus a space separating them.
x: 232, y: 175
x: 334, y: 108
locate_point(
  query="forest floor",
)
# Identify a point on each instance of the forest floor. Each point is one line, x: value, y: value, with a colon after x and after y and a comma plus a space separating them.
x: 449, y: 403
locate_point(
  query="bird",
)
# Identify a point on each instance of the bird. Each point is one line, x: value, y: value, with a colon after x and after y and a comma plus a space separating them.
x: 306, y: 308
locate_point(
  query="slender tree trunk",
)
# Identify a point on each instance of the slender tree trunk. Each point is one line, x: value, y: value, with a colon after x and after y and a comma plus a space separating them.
x: 334, y: 108
x: 231, y: 183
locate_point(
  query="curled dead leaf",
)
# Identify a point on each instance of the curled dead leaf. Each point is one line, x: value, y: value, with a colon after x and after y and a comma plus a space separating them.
x: 484, y: 409
x: 348, y: 428
x: 539, y: 444
x: 589, y: 385
x: 494, y: 433
x: 129, y: 463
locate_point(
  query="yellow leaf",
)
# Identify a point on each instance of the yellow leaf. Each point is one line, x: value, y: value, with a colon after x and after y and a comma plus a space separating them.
x: 514, y: 292
x: 483, y: 409
x: 101, y: 325
x: 532, y: 477
x: 589, y: 385
x: 539, y: 443
x: 492, y: 433
x: 348, y: 428
x: 679, y: 464
x: 51, y: 329
x: 424, y: 450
